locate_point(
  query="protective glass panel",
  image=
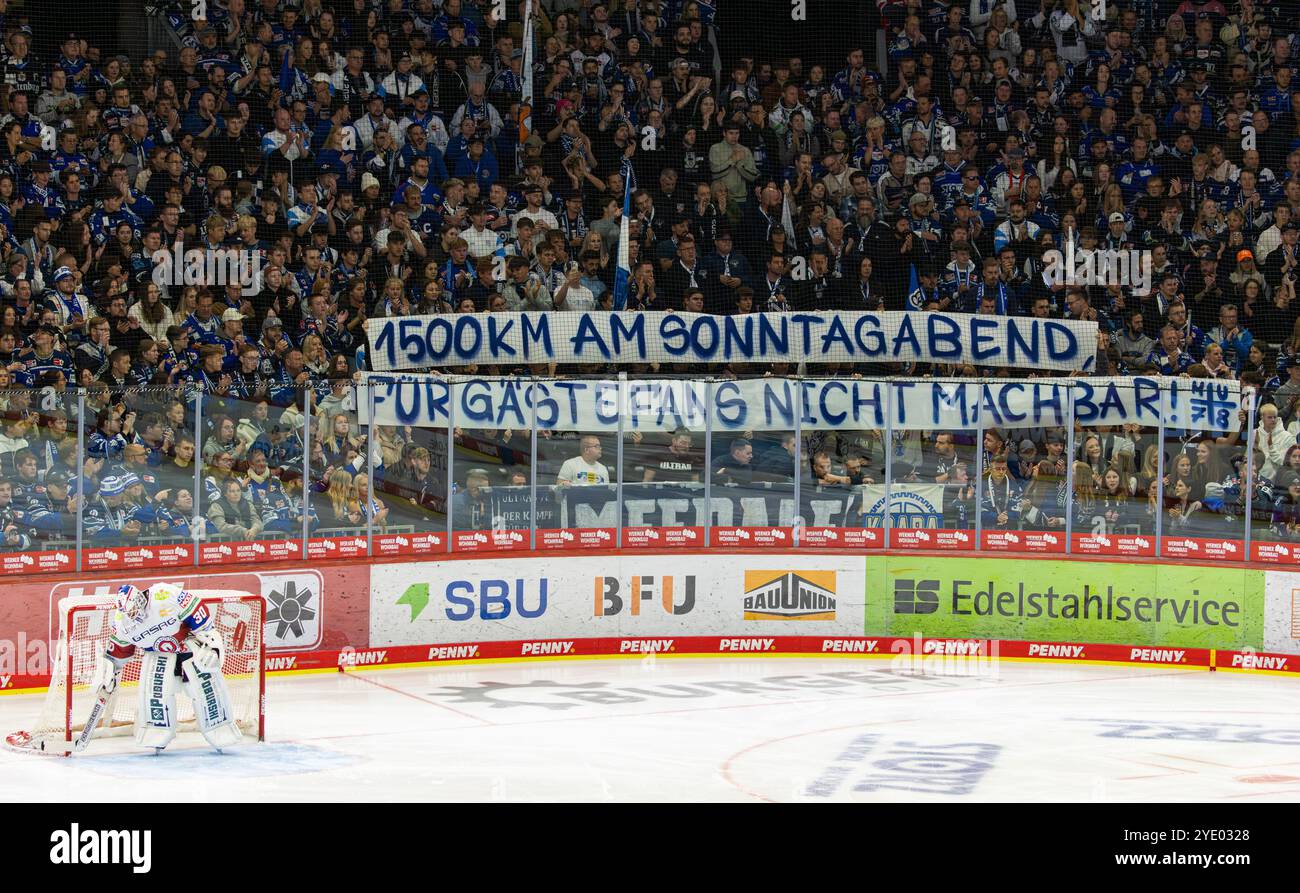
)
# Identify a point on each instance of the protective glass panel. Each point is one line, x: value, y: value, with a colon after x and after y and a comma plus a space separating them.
x: 933, y: 485
x: 340, y: 495
x: 491, y: 503
x: 842, y: 454
x: 664, y: 427
x: 1115, y: 469
x: 577, y: 470
x: 753, y: 463
x: 411, y: 465
x: 250, y: 504
x: 1202, y: 513
x: 131, y: 518
x: 38, y: 480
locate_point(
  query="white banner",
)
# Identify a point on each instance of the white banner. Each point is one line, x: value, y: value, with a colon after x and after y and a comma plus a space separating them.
x: 770, y: 404
x: 912, y: 506
x: 567, y: 597
x: 1282, y: 606
x: 422, y: 342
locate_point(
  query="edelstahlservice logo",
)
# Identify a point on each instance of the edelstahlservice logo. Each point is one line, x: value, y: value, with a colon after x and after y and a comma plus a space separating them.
x: 1018, y: 600
x: 789, y: 595
x: 916, y: 596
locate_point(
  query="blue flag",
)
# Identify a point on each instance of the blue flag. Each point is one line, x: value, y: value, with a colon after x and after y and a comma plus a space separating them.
x: 286, y: 74
x: 623, y: 272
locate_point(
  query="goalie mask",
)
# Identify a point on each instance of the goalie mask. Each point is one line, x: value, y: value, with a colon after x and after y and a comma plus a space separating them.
x: 132, y: 602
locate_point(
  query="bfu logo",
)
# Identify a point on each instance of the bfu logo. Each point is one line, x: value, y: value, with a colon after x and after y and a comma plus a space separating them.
x: 611, y: 595
x: 199, y: 266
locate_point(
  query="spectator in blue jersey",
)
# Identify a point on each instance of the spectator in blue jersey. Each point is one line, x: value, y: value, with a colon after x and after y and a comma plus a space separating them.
x: 479, y: 165
x: 38, y: 193
x: 309, y: 214
x: 203, y: 322
x: 52, y: 514
x: 43, y: 356
x: 110, y: 435
x: 419, y: 178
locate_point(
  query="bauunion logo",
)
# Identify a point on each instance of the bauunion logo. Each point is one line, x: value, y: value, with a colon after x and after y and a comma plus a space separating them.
x: 789, y: 595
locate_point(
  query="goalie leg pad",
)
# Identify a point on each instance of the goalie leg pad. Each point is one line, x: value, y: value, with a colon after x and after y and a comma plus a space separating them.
x: 216, y: 719
x: 155, y: 721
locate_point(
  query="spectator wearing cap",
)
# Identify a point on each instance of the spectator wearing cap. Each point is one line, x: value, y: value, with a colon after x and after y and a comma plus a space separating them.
x: 71, y: 308
x: 482, y: 242
x: 534, y: 211
x: 1283, y: 258
x: 1245, y: 271
x: 423, y: 113
x: 452, y: 18
x: 113, y: 430
x: 479, y: 164
x: 419, y: 145
x: 229, y: 336
x: 37, y: 192
x: 52, y: 514
x: 507, y: 84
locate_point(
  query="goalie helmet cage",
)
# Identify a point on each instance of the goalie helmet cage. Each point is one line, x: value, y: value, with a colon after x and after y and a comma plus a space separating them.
x: 86, y: 622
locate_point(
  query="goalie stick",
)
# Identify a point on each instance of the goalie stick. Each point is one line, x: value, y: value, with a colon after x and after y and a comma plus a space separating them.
x: 103, y: 698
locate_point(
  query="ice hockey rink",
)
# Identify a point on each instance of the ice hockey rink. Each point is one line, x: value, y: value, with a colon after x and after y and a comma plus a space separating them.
x: 745, y: 730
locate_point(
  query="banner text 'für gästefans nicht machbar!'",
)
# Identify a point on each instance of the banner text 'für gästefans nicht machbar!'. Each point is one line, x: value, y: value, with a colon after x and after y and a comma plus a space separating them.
x: 785, y: 404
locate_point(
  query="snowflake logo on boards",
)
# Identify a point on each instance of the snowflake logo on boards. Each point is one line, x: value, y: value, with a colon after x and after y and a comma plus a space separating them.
x: 289, y: 609
x: 489, y: 693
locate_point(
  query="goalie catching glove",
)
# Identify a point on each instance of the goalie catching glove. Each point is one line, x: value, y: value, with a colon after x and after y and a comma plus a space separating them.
x: 206, y: 648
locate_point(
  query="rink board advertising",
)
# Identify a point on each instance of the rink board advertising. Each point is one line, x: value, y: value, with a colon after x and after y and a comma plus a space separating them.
x: 1067, y: 601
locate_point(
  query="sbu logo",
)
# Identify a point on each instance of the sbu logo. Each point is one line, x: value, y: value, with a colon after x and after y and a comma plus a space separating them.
x: 916, y: 596
x: 610, y: 599
x: 492, y: 599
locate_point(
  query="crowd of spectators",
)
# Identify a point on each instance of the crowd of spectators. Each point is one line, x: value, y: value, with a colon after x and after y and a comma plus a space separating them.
x: 368, y: 155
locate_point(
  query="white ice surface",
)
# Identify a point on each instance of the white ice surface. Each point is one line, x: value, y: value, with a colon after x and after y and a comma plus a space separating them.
x: 735, y: 729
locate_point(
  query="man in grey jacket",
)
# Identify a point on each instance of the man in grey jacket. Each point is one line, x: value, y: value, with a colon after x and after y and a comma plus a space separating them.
x: 1133, y: 343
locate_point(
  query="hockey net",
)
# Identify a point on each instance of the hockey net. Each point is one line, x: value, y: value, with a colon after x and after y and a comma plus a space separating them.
x: 84, y: 628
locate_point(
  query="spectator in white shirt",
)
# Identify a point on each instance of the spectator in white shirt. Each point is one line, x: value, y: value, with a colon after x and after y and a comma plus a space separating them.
x: 585, y: 469
x: 400, y: 87
x: 1272, y: 440
x: 482, y: 241
x: 534, y: 211
x: 374, y: 120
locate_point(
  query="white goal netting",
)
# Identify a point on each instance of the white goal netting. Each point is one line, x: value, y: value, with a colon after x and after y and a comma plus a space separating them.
x: 84, y: 627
